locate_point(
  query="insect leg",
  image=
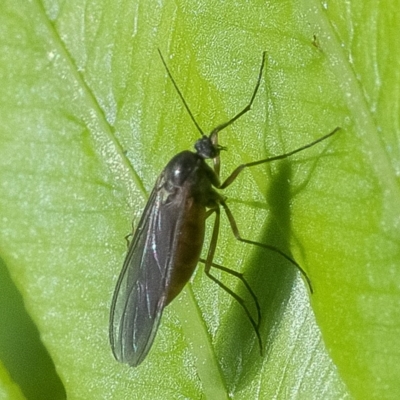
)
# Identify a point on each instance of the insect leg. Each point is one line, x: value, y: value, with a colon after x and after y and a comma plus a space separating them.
x: 209, y: 212
x: 240, y: 300
x: 240, y: 276
x: 235, y: 231
x: 128, y: 242
x: 214, y: 238
x: 130, y: 235
x: 209, y: 263
x: 231, y: 178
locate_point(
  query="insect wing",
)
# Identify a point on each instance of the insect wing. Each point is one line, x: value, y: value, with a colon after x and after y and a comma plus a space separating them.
x: 141, y: 291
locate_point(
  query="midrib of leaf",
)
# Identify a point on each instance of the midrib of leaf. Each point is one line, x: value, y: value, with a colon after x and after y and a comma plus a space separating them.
x: 200, y: 344
x: 90, y: 98
x: 357, y: 105
x: 196, y: 331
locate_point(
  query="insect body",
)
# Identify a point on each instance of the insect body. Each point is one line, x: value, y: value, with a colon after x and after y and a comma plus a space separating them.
x: 167, y: 243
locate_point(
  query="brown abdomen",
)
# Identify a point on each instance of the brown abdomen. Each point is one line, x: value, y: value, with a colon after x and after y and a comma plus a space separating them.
x: 188, y: 249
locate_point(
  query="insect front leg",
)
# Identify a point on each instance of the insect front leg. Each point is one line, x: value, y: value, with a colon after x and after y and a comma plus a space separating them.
x: 235, y: 231
x: 231, y: 178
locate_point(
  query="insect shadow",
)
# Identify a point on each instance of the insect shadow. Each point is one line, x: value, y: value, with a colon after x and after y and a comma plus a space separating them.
x: 168, y: 241
x: 270, y: 276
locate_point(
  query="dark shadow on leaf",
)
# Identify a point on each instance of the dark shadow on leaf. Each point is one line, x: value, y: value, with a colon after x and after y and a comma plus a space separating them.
x: 271, y: 277
x: 21, y: 350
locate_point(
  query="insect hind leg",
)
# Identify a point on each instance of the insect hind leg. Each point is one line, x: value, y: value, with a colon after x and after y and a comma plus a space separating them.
x: 240, y: 300
x: 235, y: 231
x: 209, y: 263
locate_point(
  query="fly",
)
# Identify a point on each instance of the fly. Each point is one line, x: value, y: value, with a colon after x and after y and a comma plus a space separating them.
x: 167, y: 243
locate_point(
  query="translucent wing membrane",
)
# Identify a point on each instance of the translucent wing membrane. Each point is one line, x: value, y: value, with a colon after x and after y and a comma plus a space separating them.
x: 141, y: 291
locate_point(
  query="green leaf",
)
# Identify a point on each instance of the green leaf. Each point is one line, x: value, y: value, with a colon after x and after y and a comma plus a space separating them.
x: 8, y: 389
x: 88, y: 121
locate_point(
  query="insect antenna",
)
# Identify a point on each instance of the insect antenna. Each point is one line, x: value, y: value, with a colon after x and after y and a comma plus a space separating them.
x: 219, y: 128
x: 180, y: 94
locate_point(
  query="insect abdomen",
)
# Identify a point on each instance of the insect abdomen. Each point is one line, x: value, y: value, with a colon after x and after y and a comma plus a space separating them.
x: 189, y: 244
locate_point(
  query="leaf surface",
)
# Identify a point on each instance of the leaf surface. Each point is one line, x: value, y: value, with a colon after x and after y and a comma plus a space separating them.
x: 88, y: 121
